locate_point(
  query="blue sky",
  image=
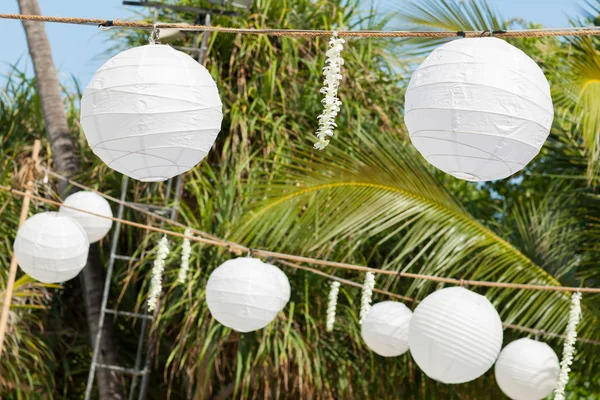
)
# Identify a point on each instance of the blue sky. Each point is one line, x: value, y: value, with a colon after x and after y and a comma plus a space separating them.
x: 76, y: 49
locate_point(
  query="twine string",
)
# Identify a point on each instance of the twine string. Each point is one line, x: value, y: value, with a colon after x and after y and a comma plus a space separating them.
x: 238, y: 249
x: 574, y: 31
x: 282, y: 258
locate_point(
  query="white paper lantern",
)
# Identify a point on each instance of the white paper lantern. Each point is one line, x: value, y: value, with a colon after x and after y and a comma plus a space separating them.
x: 95, y: 227
x: 51, y: 247
x: 527, y: 370
x: 385, y: 329
x: 151, y: 112
x: 455, y: 335
x: 478, y: 109
x: 246, y: 294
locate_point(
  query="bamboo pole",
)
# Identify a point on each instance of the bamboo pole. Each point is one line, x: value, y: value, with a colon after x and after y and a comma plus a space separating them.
x: 31, y: 169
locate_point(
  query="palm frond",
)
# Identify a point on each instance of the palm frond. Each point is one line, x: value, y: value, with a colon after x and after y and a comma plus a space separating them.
x: 380, y: 194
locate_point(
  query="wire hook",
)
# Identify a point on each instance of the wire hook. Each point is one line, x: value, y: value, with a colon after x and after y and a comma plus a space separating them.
x: 155, y: 35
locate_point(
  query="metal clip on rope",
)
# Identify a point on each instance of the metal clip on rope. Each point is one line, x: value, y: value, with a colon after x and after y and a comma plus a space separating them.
x: 106, y: 25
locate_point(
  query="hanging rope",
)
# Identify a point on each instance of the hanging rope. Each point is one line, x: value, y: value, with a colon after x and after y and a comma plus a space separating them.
x: 575, y: 31
x: 239, y: 249
x: 281, y: 257
x: 410, y: 299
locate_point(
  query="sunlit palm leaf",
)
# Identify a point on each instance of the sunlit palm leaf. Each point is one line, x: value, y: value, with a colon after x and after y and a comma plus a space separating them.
x: 580, y: 93
x: 381, y: 191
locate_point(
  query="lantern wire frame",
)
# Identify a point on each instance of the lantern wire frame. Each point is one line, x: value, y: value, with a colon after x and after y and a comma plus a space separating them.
x: 284, y: 259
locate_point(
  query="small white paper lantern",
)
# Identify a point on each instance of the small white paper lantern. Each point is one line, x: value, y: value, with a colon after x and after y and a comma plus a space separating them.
x: 151, y: 112
x: 51, y: 247
x: 527, y: 370
x: 385, y: 329
x: 455, y: 335
x: 478, y: 109
x: 246, y: 294
x: 95, y: 227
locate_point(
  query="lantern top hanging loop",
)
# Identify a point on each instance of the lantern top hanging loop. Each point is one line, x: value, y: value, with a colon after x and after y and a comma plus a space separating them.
x: 154, y: 35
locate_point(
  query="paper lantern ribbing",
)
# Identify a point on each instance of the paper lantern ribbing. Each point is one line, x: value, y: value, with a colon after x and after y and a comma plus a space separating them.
x: 95, y: 227
x: 385, y: 328
x: 527, y: 370
x: 478, y: 109
x: 455, y: 335
x: 51, y: 247
x: 151, y: 112
x: 246, y: 294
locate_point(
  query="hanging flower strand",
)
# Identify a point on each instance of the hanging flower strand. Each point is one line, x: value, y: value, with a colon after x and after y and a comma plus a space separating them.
x: 367, y: 294
x: 157, y: 272
x: 331, y: 102
x: 186, y: 251
x: 569, y: 347
x: 332, y: 305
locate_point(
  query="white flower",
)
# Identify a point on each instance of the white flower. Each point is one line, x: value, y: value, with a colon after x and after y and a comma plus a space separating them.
x: 186, y: 251
x: 367, y: 293
x: 333, y: 296
x: 157, y: 271
x: 569, y: 347
x: 333, y: 75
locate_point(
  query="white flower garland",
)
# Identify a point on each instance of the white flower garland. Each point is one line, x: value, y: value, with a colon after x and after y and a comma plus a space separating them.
x: 569, y: 347
x: 333, y: 296
x: 157, y: 272
x: 186, y: 252
x: 331, y: 102
x: 367, y: 294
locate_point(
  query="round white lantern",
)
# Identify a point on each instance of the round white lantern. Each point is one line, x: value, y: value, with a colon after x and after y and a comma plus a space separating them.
x: 151, y: 112
x: 246, y: 294
x: 527, y: 370
x: 51, y: 247
x: 95, y: 227
x: 385, y: 328
x: 478, y: 109
x: 455, y: 335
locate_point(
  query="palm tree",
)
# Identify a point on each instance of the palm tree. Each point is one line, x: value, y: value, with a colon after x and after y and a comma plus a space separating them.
x: 66, y: 162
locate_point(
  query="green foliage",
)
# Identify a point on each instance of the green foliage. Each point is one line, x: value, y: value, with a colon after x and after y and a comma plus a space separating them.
x: 26, y: 366
x: 368, y: 199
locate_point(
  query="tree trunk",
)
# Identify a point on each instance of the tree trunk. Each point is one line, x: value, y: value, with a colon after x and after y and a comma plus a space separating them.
x: 66, y: 163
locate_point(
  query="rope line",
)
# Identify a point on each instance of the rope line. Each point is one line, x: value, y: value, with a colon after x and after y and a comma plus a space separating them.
x: 142, y: 210
x: 239, y: 249
x: 574, y: 31
x: 410, y: 299
x: 280, y: 258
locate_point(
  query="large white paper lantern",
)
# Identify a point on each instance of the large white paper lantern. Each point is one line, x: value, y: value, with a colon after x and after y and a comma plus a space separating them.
x: 385, y: 328
x: 478, y: 109
x: 527, y: 370
x: 51, y: 247
x: 151, y: 112
x: 246, y: 294
x: 95, y: 227
x: 455, y: 335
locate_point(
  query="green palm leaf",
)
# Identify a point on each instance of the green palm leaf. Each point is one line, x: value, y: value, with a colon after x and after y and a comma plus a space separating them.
x: 577, y: 92
x: 382, y: 193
